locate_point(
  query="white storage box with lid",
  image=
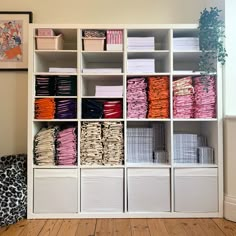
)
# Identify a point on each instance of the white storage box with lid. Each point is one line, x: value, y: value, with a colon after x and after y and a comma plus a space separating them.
x: 102, y: 190
x: 148, y: 190
x: 49, y: 42
x: 196, y: 190
x: 93, y: 44
x: 55, y: 191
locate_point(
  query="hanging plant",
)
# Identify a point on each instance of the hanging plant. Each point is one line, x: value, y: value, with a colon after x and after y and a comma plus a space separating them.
x: 211, y: 38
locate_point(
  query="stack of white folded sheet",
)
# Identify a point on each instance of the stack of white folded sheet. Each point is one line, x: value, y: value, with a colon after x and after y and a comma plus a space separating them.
x: 141, y: 43
x: 140, y: 145
x: 62, y: 70
x: 186, y: 44
x: 141, y: 65
x: 109, y: 91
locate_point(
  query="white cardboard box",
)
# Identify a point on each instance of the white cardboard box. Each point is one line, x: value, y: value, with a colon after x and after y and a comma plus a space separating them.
x: 55, y: 191
x: 102, y: 190
x: 196, y: 190
x: 148, y: 190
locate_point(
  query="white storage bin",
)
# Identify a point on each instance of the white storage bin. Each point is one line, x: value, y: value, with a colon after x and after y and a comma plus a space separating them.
x: 55, y: 191
x: 49, y: 42
x: 196, y: 190
x: 102, y: 190
x: 148, y: 190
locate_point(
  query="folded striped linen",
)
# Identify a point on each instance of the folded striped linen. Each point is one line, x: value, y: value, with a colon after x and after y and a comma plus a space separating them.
x: 137, y: 98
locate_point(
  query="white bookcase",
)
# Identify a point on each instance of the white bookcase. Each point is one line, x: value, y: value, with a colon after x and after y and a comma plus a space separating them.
x: 128, y: 189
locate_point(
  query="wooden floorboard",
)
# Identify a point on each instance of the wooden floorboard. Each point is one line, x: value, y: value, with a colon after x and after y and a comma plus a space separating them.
x: 50, y: 228
x: 228, y: 227
x: 121, y: 227
x: 139, y: 227
x: 104, y: 227
x: 86, y: 227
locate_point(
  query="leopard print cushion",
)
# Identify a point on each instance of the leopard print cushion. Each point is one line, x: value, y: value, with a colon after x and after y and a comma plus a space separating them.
x: 13, y: 189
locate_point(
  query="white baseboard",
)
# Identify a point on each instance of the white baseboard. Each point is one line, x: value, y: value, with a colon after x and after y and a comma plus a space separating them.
x: 230, y: 208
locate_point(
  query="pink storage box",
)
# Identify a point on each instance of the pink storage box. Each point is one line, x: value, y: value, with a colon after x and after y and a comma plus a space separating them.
x: 49, y: 42
x: 93, y: 44
x: 45, y: 32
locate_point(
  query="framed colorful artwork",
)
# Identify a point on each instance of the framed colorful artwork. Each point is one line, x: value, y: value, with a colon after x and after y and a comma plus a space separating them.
x: 14, y: 40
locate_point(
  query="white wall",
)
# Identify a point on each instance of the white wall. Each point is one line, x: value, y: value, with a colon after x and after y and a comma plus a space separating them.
x: 13, y: 95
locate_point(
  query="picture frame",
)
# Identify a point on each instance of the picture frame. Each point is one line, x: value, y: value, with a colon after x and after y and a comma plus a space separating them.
x: 14, y: 26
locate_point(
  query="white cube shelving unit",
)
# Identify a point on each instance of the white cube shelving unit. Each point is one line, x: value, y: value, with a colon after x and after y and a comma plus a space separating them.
x: 132, y: 189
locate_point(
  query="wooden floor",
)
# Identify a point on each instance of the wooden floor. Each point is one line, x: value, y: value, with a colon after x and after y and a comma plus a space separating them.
x: 121, y: 227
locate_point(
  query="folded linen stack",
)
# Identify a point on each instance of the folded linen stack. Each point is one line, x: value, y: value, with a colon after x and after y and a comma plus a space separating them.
x: 44, y: 86
x: 137, y: 98
x: 113, y: 143
x: 158, y: 96
x: 44, y: 146
x: 66, y: 108
x: 66, y: 146
x: 205, y: 97
x: 66, y: 86
x: 92, y: 109
x: 112, y: 109
x: 44, y: 108
x: 91, y: 149
x: 183, y: 98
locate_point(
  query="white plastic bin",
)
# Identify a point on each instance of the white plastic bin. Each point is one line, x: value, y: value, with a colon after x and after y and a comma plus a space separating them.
x: 196, y: 190
x: 148, y: 190
x: 55, y: 191
x: 102, y: 190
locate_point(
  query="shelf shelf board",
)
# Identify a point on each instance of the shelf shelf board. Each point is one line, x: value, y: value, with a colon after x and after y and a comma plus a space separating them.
x: 84, y: 75
x: 148, y: 74
x: 56, y: 97
x: 147, y: 119
x: 52, y: 74
x: 147, y: 165
x: 55, y: 51
x: 194, y: 165
x: 157, y: 54
x: 103, y: 97
x: 196, y: 119
x: 54, y: 167
x: 188, y: 73
x: 101, y: 52
x: 55, y: 120
x: 102, y: 120
x: 101, y: 166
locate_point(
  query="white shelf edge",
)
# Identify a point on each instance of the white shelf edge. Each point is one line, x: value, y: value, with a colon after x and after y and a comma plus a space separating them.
x: 147, y: 119
x: 148, y: 51
x: 196, y: 119
x: 147, y: 165
x: 52, y: 73
x: 105, y: 52
x: 101, y: 120
x: 102, y: 74
x: 195, y: 165
x: 56, y: 51
x: 101, y: 166
x: 149, y: 74
x: 55, y: 167
x: 55, y: 120
x: 56, y: 97
x: 100, y: 97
